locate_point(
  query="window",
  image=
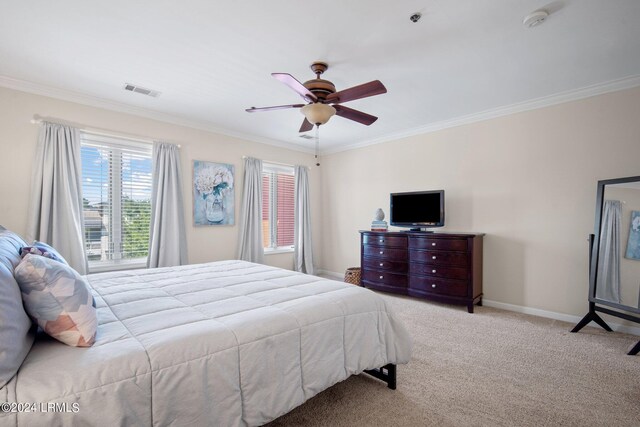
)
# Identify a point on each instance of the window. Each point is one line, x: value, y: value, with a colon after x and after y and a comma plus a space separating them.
x: 116, y: 193
x: 277, y: 207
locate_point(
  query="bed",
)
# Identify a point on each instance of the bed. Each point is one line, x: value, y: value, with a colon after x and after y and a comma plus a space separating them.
x: 226, y: 343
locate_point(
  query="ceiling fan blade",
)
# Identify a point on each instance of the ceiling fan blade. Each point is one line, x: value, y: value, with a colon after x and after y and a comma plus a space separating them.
x: 362, y: 91
x: 277, y: 107
x: 294, y: 84
x: 355, y: 115
x: 306, y: 126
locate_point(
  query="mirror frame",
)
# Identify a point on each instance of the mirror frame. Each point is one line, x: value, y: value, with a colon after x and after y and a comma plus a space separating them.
x: 593, y: 261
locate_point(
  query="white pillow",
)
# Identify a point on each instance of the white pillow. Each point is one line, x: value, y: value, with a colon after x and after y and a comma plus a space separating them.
x: 58, y: 298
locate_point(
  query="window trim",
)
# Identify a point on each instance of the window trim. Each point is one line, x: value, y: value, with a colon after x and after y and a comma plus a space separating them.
x: 279, y: 250
x: 122, y: 264
x: 276, y: 168
x: 116, y: 144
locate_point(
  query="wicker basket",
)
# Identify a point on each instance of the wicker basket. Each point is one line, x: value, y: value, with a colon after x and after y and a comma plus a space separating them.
x: 353, y: 275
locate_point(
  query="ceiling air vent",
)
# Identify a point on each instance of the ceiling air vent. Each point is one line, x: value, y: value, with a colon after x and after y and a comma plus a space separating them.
x: 141, y: 90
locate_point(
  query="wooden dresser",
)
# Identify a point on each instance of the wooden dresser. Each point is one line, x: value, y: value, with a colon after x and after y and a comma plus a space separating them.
x: 444, y: 267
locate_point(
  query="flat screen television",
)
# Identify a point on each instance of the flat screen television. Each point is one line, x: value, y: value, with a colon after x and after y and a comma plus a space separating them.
x: 418, y: 209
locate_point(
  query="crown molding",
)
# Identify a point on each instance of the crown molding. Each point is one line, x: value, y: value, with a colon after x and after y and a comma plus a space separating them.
x: 546, y: 101
x: 534, y: 104
x: 94, y: 101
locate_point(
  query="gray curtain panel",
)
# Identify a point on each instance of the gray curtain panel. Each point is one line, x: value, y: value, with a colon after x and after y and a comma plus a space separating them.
x: 55, y: 207
x: 167, y: 238
x: 608, y: 280
x: 303, y: 253
x: 251, y: 246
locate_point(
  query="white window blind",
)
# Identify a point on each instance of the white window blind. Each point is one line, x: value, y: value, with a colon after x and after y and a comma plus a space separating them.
x: 277, y: 206
x: 116, y: 190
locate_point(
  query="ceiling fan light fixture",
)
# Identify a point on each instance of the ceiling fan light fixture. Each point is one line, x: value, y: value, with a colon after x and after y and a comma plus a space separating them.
x: 318, y: 113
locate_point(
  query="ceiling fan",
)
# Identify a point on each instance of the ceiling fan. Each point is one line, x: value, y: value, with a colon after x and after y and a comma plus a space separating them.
x: 322, y: 99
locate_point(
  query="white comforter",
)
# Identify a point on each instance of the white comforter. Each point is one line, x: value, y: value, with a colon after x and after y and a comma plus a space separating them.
x: 221, y: 344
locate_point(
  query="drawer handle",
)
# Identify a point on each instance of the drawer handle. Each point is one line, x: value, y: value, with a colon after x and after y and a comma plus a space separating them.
x: 381, y: 264
x: 381, y: 252
x: 433, y: 244
x: 433, y: 271
x: 381, y: 240
x: 382, y: 277
x: 433, y: 285
x: 433, y: 257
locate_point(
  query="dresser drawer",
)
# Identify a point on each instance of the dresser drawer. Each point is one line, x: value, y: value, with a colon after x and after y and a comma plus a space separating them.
x: 391, y: 254
x: 454, y: 288
x: 444, y: 267
x: 383, y: 264
x: 435, y: 270
x: 384, y: 240
x: 384, y: 277
x: 438, y: 244
x: 439, y: 257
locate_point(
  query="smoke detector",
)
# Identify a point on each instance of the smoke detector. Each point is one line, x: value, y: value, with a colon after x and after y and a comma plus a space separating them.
x: 535, y: 18
x: 141, y: 90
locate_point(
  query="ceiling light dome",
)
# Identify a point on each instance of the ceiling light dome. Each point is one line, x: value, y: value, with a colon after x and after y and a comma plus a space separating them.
x: 318, y: 113
x: 535, y: 18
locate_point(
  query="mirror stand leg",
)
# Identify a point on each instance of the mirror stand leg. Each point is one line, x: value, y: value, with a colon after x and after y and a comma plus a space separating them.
x: 601, y: 322
x: 634, y: 350
x: 591, y: 316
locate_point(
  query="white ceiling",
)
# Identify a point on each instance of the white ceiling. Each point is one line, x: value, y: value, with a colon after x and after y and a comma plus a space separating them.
x: 211, y: 60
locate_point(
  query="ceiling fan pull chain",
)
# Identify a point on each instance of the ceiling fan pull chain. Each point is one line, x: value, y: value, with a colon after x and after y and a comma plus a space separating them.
x: 317, y: 143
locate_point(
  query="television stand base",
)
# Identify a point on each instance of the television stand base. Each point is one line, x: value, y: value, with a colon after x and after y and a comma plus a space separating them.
x: 423, y: 230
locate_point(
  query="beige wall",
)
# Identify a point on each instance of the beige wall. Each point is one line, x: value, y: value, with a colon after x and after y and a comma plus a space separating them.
x: 527, y: 180
x: 17, y: 146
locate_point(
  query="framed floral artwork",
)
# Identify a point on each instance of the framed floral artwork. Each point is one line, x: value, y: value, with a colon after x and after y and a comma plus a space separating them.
x: 633, y: 244
x: 213, y: 193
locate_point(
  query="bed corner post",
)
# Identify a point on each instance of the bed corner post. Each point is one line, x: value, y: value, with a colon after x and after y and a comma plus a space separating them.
x: 387, y: 374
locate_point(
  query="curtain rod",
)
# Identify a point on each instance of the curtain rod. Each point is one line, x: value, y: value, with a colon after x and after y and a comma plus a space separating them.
x: 276, y: 163
x: 37, y: 119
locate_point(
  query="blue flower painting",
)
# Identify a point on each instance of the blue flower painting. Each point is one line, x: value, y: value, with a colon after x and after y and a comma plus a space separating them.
x: 213, y: 193
x: 633, y: 244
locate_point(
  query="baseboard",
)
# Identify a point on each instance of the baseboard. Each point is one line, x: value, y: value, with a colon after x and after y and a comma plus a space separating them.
x: 331, y: 274
x: 633, y: 330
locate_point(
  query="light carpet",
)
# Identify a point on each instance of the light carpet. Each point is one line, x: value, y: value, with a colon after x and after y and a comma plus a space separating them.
x: 491, y: 368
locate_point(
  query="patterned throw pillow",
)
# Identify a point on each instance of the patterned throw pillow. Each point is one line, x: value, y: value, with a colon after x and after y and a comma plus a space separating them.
x: 42, y: 249
x: 58, y: 298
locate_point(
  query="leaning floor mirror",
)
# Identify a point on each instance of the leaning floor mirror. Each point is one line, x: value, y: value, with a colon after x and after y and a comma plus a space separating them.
x: 614, y: 276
